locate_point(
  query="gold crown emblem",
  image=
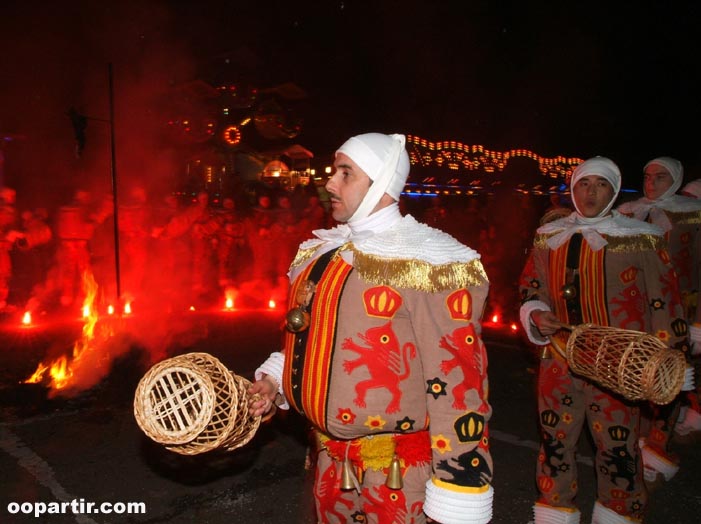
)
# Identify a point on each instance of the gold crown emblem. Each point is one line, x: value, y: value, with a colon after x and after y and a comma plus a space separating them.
x: 629, y: 274
x: 549, y: 418
x: 460, y: 305
x: 469, y: 427
x: 619, y: 433
x: 381, y: 301
x: 679, y: 327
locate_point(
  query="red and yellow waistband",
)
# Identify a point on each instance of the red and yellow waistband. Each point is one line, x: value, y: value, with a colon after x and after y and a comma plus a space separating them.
x: 377, y: 451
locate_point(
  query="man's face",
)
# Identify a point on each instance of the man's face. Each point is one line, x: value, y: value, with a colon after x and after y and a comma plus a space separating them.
x: 347, y: 187
x: 591, y: 194
x: 656, y: 180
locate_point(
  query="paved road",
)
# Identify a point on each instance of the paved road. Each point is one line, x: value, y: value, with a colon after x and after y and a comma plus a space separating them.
x: 88, y: 448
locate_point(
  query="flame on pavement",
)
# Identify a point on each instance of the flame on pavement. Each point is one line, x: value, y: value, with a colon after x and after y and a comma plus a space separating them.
x: 61, y: 372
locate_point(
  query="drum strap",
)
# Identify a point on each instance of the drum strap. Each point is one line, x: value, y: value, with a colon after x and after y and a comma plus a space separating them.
x: 574, y: 305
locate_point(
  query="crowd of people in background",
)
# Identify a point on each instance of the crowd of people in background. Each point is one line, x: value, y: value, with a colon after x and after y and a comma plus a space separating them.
x: 194, y: 249
x: 179, y: 250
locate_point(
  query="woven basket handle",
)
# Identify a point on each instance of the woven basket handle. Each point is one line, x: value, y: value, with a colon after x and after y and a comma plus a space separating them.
x: 556, y: 344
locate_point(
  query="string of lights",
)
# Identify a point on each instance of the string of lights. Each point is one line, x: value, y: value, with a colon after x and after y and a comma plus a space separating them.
x: 472, y: 163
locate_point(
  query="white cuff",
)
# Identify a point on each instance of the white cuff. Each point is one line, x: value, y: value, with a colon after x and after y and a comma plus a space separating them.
x: 273, y: 366
x: 653, y: 460
x: 689, y: 383
x: 544, y: 514
x: 695, y: 333
x: 525, y: 313
x: 456, y: 507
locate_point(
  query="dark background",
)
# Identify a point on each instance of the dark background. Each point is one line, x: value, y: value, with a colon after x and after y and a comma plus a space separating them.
x: 560, y: 78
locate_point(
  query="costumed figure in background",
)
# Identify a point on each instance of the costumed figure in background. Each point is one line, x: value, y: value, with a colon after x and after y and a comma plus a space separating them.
x: 384, y: 356
x: 33, y: 252
x: 203, y: 240
x: 231, y: 244
x: 9, y: 234
x: 679, y: 217
x: 286, y: 232
x: 594, y: 266
x: 173, y: 230
x: 74, y: 228
x: 259, y: 230
x: 135, y: 226
x: 692, y: 189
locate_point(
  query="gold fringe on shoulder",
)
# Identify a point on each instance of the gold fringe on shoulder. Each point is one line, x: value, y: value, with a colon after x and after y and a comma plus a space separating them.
x: 303, y: 255
x: 634, y: 243
x: 685, y: 217
x: 417, y: 274
x: 627, y: 244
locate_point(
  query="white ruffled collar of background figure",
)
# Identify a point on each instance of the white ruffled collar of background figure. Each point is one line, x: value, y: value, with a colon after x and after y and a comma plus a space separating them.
x: 613, y: 224
x: 679, y: 203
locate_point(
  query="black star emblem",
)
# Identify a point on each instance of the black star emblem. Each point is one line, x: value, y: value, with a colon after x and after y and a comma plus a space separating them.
x: 436, y: 387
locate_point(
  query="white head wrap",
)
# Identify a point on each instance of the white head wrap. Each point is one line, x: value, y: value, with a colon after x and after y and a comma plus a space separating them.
x: 590, y: 228
x: 603, y: 167
x: 693, y: 188
x: 385, y: 160
x: 655, y: 210
x: 674, y: 168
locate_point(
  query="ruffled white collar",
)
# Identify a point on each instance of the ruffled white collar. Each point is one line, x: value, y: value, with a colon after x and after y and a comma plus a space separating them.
x: 655, y: 209
x: 592, y: 229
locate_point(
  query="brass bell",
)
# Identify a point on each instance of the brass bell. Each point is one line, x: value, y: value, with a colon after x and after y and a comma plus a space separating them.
x: 394, y: 476
x: 348, y: 480
x: 297, y: 320
x: 569, y: 291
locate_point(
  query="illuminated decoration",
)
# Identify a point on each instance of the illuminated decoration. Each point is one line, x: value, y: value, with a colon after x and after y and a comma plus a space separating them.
x: 232, y: 135
x: 26, y: 318
x: 275, y: 169
x: 473, y: 168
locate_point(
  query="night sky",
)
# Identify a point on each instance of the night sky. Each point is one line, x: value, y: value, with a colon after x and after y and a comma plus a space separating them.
x: 595, y: 79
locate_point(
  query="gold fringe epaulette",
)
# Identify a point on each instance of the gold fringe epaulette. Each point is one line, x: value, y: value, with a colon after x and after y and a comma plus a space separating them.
x: 684, y: 217
x: 626, y: 244
x: 303, y: 255
x: 418, y: 274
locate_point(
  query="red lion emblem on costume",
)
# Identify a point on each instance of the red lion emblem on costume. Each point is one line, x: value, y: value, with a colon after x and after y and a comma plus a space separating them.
x: 387, y: 365
x: 468, y: 354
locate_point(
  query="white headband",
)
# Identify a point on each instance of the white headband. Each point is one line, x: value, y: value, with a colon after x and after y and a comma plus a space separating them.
x: 385, y: 160
x: 603, y: 167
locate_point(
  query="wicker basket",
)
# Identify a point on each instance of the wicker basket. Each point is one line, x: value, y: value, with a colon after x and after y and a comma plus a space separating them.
x: 192, y: 404
x: 631, y: 363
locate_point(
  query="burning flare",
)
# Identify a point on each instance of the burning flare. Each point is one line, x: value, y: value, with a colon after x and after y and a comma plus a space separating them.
x: 62, y: 371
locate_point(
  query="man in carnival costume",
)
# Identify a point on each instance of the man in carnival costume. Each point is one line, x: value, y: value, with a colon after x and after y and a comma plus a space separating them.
x: 679, y: 217
x: 383, y: 354
x: 594, y: 266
